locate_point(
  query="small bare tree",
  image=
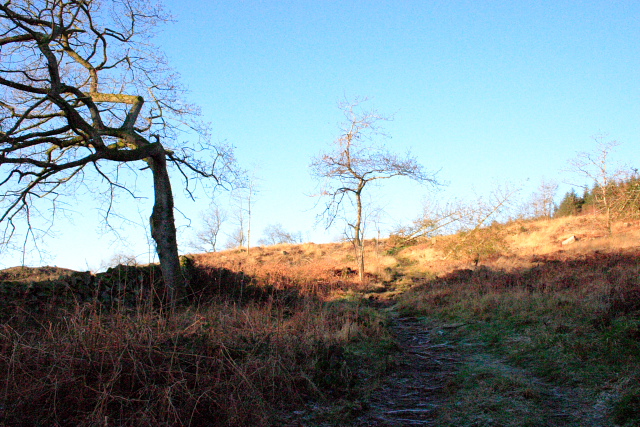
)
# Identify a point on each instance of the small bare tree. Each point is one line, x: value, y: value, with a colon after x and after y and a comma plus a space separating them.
x: 275, y: 234
x: 355, y: 160
x: 475, y: 222
x: 84, y: 96
x: 542, y: 202
x: 599, y: 171
x: 251, y: 191
x: 236, y: 239
x: 435, y: 220
x: 243, y: 200
x: 207, y: 236
x: 479, y: 232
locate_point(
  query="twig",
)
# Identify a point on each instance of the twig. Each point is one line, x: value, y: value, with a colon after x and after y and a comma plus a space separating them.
x: 410, y: 411
x: 406, y: 421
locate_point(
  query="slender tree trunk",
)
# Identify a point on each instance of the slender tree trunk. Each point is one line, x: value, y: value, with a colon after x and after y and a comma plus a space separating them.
x: 361, y: 262
x: 358, y: 240
x: 249, y: 219
x: 163, y: 229
x: 606, y: 202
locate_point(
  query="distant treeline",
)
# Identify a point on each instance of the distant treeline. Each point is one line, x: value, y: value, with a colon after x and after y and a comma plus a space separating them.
x: 620, y: 199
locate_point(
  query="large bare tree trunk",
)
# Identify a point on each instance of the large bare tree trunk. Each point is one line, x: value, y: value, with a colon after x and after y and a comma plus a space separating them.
x: 58, y: 121
x: 163, y: 229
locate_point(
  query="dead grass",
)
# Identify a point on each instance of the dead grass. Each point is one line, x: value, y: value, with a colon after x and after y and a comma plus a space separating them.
x: 30, y: 274
x: 562, y: 334
x: 270, y: 337
x: 256, y: 344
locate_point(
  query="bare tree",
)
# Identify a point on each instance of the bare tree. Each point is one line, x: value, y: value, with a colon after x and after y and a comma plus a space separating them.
x: 356, y: 159
x: 542, y: 202
x: 243, y: 199
x: 599, y: 171
x: 275, y: 234
x: 475, y: 222
x: 250, y: 192
x: 236, y: 239
x: 479, y: 231
x: 435, y: 220
x: 212, y: 220
x: 84, y: 96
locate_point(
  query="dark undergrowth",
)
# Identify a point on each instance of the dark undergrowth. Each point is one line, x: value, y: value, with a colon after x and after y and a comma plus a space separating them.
x: 237, y: 351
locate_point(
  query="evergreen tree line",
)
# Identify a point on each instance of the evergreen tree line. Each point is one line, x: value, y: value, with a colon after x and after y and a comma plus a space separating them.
x: 621, y: 198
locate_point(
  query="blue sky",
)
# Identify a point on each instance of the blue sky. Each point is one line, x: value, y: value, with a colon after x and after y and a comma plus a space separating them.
x: 484, y: 92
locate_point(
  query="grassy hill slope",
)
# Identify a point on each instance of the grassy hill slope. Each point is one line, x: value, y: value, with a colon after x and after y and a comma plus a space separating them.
x: 540, y: 333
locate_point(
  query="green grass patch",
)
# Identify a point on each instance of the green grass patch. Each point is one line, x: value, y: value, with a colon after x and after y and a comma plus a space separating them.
x: 487, y: 392
x: 534, y: 351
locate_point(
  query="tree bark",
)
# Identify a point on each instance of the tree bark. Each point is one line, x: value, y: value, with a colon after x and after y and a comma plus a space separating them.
x: 163, y: 229
x: 358, y: 238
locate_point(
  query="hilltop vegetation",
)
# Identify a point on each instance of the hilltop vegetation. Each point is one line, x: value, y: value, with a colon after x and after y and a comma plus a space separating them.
x: 540, y: 333
x: 623, y: 195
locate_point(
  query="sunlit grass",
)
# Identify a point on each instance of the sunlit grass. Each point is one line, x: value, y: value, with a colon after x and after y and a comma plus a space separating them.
x: 549, y: 334
x: 570, y: 327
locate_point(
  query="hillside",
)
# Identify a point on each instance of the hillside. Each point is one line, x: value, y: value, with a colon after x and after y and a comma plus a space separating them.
x: 526, y: 241
x: 508, y: 326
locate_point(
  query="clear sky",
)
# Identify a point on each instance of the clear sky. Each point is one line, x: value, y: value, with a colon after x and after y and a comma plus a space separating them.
x: 485, y: 92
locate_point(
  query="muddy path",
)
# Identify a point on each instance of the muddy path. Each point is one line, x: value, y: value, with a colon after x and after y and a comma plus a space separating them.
x: 415, y: 391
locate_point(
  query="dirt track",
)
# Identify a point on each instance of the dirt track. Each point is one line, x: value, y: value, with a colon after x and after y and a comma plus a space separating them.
x: 414, y: 392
